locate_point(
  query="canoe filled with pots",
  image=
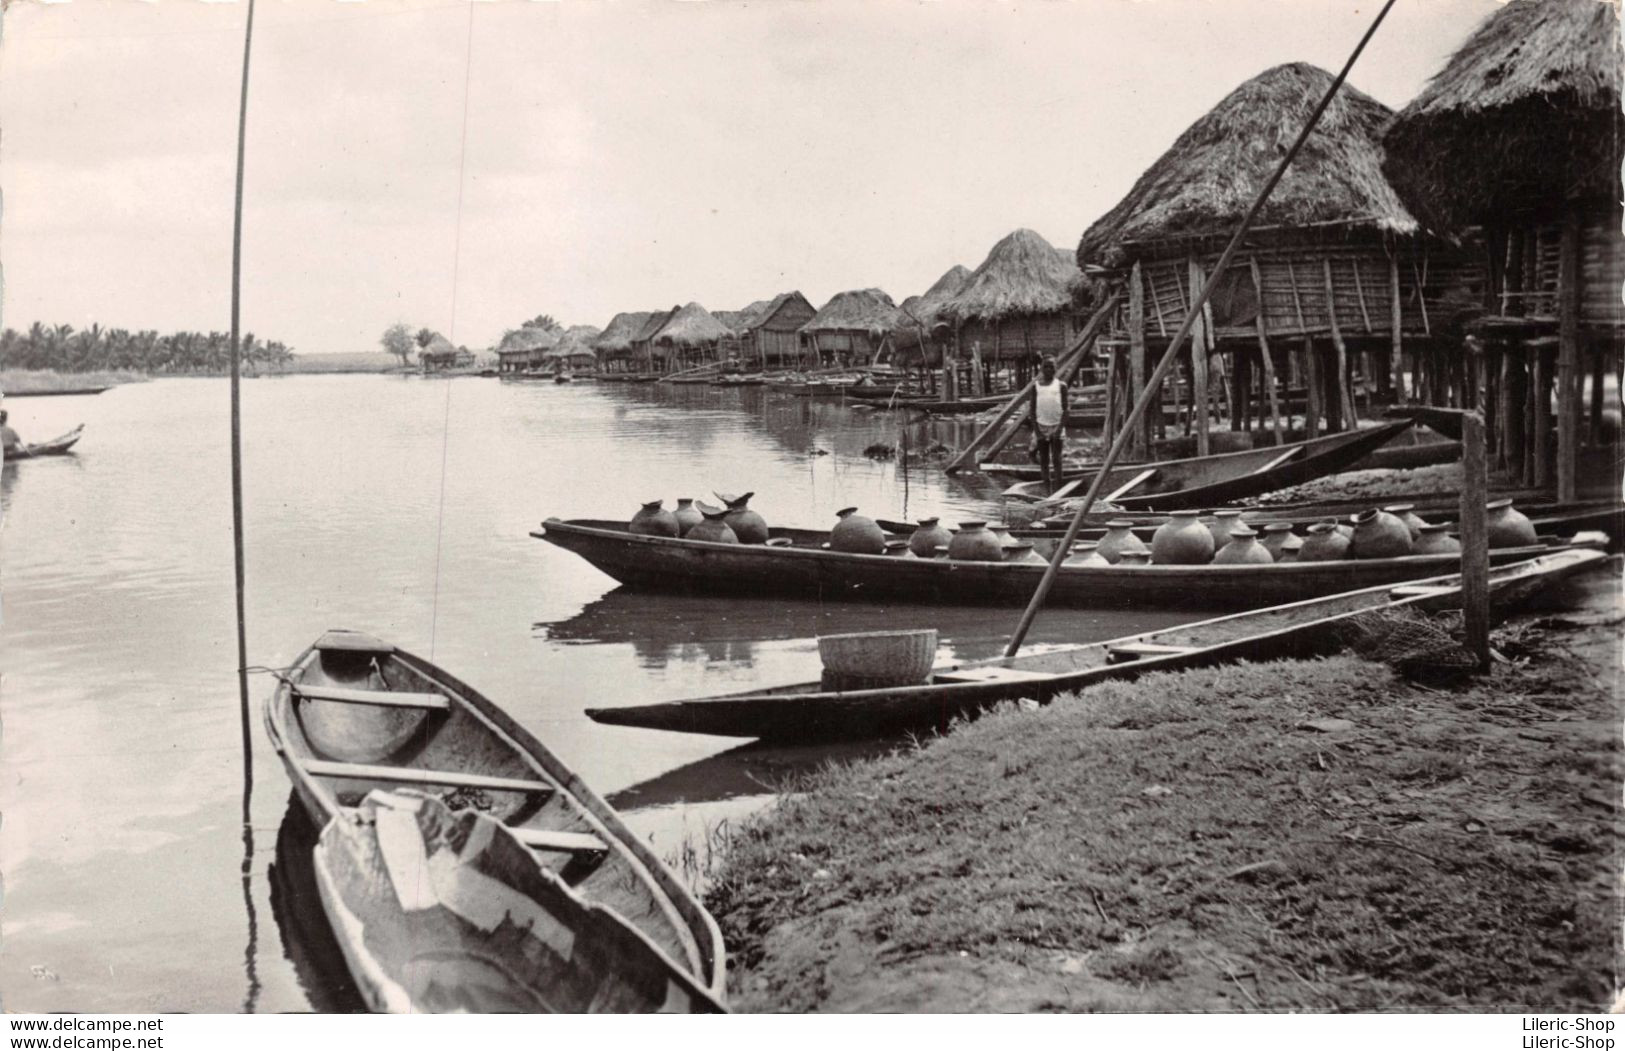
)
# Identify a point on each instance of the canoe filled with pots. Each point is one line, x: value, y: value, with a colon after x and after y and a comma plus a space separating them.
x: 976, y: 564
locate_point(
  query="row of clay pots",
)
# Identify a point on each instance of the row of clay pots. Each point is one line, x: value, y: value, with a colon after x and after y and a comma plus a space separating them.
x: 735, y: 523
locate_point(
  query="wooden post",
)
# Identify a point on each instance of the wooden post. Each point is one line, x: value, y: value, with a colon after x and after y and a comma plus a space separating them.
x: 1108, y: 430
x: 1199, y: 365
x: 1140, y: 441
x: 1543, y: 420
x: 1264, y: 355
x: 1396, y: 320
x: 1345, y: 399
x: 1312, y: 385
x: 1475, y: 547
x: 1568, y: 357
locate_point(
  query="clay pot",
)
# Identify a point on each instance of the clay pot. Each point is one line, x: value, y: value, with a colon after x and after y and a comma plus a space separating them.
x: 928, y: 537
x: 1084, y: 553
x: 748, y: 526
x: 1183, y: 540
x: 1407, y: 513
x: 715, y: 526
x: 1220, y: 523
x: 1022, y: 551
x: 1275, y: 537
x: 975, y: 542
x: 1507, y: 526
x: 1378, y: 534
x: 1435, y: 540
x: 1119, y: 541
x: 899, y: 549
x: 1346, y: 526
x: 1325, y: 543
x: 1289, y: 550
x: 687, y: 515
x: 1243, y: 550
x: 1134, y: 558
x: 856, y: 534
x: 653, y: 520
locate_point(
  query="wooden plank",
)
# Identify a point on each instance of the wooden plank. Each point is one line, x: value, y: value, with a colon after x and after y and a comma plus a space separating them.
x: 1312, y: 383
x: 1568, y: 356
x: 407, y: 775
x: 1279, y: 460
x: 1297, y: 303
x: 564, y: 842
x: 1475, y: 547
x: 1345, y: 400
x: 380, y: 698
x: 1359, y: 293
x: 345, y: 641
x: 1264, y: 353
x: 1541, y: 446
x: 1138, y: 650
x: 1138, y: 480
x: 992, y: 675
x: 1141, y: 439
x: 1396, y: 353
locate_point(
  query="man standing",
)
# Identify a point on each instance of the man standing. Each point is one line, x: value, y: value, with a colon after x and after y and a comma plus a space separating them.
x: 1046, y: 407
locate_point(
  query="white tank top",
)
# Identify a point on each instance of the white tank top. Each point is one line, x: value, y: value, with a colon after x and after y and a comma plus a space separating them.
x: 1049, y: 403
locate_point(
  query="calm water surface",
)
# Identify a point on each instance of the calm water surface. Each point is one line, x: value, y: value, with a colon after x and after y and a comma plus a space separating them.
x: 400, y: 506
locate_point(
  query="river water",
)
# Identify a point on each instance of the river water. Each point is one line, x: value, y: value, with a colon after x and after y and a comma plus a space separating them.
x: 400, y: 506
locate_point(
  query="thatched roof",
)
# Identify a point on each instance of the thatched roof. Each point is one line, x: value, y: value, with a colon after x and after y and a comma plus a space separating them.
x: 925, y: 307
x: 1023, y: 274
x: 529, y: 339
x: 439, y: 349
x: 577, y: 341
x: 1211, y: 175
x: 738, y: 321
x: 862, y: 310
x: 1526, y: 113
x: 617, y: 335
x: 692, y: 326
x: 656, y: 321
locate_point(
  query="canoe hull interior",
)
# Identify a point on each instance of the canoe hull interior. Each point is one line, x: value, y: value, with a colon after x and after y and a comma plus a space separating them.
x: 803, y: 712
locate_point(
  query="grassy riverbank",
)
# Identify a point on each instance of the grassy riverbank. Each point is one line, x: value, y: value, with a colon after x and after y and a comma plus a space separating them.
x: 50, y: 381
x: 1191, y: 842
x: 359, y: 361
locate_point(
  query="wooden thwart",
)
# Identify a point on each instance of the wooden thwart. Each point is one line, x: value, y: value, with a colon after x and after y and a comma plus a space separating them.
x: 991, y: 675
x: 381, y: 698
x: 551, y: 839
x: 411, y: 776
x: 1137, y: 650
x: 1128, y: 486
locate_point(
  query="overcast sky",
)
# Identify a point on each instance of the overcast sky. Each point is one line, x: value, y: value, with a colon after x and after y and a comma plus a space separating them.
x: 620, y: 154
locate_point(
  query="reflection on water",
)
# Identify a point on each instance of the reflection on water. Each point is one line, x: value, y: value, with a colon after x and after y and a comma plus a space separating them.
x: 123, y: 843
x: 301, y: 922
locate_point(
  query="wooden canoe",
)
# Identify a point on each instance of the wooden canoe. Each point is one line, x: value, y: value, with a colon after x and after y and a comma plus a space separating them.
x: 805, y: 712
x: 1209, y: 481
x: 803, y: 568
x: 55, y: 447
x: 355, y: 714
x: 439, y: 912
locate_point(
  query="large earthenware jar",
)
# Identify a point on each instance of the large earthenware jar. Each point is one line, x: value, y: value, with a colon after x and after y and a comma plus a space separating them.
x: 1436, y: 540
x: 975, y: 542
x: 653, y: 520
x: 1275, y: 537
x: 747, y: 525
x: 714, y: 527
x: 1119, y: 541
x: 856, y: 534
x: 1182, y: 541
x: 1084, y: 553
x: 1325, y: 543
x: 1407, y: 513
x: 1220, y: 523
x: 1134, y: 558
x: 1243, y: 550
x: 688, y: 516
x: 928, y: 537
x: 1022, y: 551
x: 1507, y: 526
x: 1378, y: 534
x: 1289, y: 550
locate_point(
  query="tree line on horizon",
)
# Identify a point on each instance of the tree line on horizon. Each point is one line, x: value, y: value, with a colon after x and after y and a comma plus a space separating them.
x: 95, y: 349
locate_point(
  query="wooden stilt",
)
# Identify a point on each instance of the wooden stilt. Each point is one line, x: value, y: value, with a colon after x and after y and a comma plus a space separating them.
x: 1568, y: 357
x: 1345, y: 400
x: 1599, y: 365
x: 1311, y: 366
x: 1140, y: 441
x: 1199, y: 343
x: 1542, y: 394
x: 1264, y: 357
x: 1396, y: 359
x: 1109, y: 431
x: 1475, y: 548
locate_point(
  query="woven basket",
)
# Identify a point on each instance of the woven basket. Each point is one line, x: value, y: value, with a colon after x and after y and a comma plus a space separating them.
x: 878, y: 658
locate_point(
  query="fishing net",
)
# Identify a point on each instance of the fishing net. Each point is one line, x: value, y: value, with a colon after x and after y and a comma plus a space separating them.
x: 1413, y: 642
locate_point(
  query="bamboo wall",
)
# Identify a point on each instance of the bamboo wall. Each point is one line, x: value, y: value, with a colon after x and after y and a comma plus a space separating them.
x: 1018, y: 337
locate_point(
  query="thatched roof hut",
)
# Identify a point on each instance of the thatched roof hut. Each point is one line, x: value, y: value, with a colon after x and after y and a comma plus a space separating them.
x: 1527, y: 112
x: 525, y: 347
x: 926, y: 307
x: 1018, y: 304
x: 1521, y: 133
x: 690, y: 328
x: 575, y: 347
x: 643, y: 339
x: 920, y: 338
x: 1202, y: 186
x: 854, y: 326
x: 616, y: 339
x: 765, y: 332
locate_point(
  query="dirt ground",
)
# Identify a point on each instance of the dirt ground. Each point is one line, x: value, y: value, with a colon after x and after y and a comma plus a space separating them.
x: 1322, y: 836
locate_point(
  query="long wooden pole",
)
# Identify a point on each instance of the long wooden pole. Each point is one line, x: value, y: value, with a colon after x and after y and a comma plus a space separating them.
x: 1475, y: 559
x: 1138, y: 411
x: 236, y: 416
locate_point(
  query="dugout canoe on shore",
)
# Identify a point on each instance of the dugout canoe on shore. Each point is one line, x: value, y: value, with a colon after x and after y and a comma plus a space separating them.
x: 1207, y: 481
x: 799, y: 566
x: 807, y: 712
x: 354, y: 714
